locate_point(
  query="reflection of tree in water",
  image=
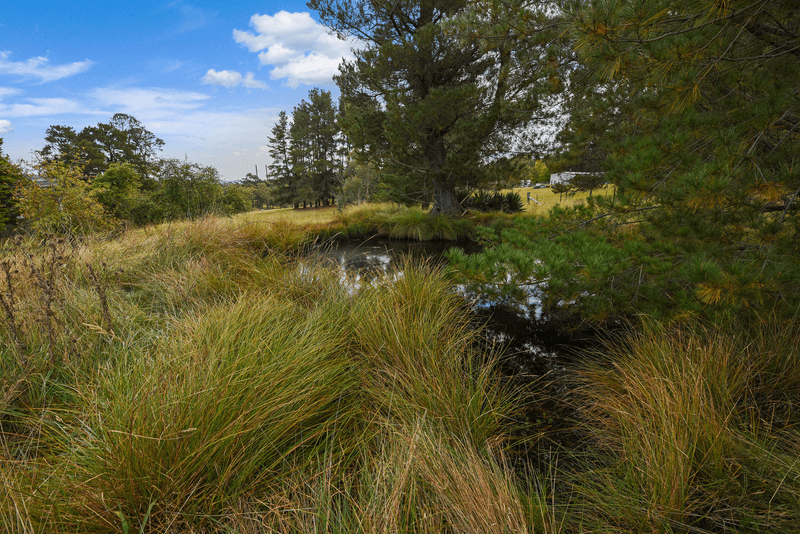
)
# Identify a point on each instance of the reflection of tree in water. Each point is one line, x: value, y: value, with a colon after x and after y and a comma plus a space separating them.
x: 366, y: 264
x: 534, y: 344
x: 376, y: 257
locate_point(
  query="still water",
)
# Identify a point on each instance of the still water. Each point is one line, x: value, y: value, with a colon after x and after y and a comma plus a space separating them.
x: 534, y: 344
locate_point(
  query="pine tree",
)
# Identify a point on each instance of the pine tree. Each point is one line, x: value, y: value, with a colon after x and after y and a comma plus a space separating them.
x: 440, y: 87
x: 710, y: 138
x: 314, y: 149
x: 693, y: 110
x: 280, y: 170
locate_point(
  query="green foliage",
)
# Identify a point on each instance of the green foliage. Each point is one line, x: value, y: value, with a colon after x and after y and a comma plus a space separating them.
x: 691, y: 108
x: 10, y: 176
x: 485, y: 201
x: 583, y: 182
x: 59, y: 201
x: 362, y: 183
x: 280, y: 170
x: 117, y: 189
x: 314, y: 149
x: 307, y: 155
x: 239, y: 387
x: 122, y: 140
x: 438, y: 88
x: 188, y: 190
x: 260, y: 193
x: 236, y: 198
x: 403, y: 223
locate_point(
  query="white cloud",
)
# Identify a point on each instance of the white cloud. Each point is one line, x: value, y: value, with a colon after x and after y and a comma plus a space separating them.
x: 8, y: 91
x: 310, y: 69
x: 225, y: 78
x: 251, y: 83
x: 229, y: 79
x: 151, y: 101
x: 39, y: 67
x: 300, y: 49
x: 5, y: 126
x: 45, y: 106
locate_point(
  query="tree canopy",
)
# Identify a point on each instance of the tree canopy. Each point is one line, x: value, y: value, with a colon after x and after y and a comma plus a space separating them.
x: 122, y: 140
x: 10, y: 177
x: 693, y: 109
x: 439, y: 87
x: 307, y: 155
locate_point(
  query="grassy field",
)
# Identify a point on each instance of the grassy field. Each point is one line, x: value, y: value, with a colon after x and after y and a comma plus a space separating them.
x: 204, y: 377
x: 542, y: 200
x: 391, y: 220
x: 313, y: 216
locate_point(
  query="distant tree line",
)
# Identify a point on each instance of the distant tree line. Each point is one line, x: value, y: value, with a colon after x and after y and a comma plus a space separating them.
x: 308, y: 154
x: 107, y: 176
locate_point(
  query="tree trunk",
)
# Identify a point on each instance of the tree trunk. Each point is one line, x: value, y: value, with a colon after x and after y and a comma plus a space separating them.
x: 445, y: 201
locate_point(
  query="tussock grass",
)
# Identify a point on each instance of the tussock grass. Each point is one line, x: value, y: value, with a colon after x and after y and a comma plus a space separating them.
x: 423, y: 358
x: 236, y: 386
x: 402, y: 223
x: 692, y: 426
x: 243, y: 394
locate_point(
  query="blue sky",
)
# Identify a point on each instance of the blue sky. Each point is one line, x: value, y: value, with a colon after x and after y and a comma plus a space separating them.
x: 209, y: 78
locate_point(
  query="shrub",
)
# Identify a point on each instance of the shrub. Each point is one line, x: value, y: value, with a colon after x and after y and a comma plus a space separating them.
x: 484, y: 201
x: 60, y: 201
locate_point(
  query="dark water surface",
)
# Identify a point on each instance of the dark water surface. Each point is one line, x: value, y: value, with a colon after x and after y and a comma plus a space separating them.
x: 535, y: 343
x: 537, y: 350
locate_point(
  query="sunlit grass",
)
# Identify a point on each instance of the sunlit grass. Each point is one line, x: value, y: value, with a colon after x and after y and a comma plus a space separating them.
x: 313, y: 216
x: 237, y: 383
x: 543, y: 200
x: 689, y: 429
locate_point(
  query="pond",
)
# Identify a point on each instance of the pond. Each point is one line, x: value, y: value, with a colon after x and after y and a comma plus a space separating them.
x: 537, y: 349
x: 535, y: 343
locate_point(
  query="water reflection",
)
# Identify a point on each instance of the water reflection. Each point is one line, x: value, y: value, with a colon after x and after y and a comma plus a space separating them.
x: 534, y: 344
x: 373, y: 258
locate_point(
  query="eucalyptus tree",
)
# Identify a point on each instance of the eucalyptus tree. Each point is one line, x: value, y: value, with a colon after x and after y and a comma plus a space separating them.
x: 439, y: 88
x: 121, y: 140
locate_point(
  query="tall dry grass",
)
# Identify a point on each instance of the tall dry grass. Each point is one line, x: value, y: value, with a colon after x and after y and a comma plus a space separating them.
x: 693, y: 430
x: 237, y: 387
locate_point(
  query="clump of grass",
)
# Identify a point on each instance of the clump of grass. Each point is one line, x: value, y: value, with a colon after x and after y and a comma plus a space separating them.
x: 415, y: 334
x: 474, y: 491
x: 246, y: 391
x: 682, y: 418
x: 402, y: 223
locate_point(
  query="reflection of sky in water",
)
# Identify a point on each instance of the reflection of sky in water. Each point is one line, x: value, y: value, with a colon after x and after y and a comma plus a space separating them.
x: 518, y: 326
